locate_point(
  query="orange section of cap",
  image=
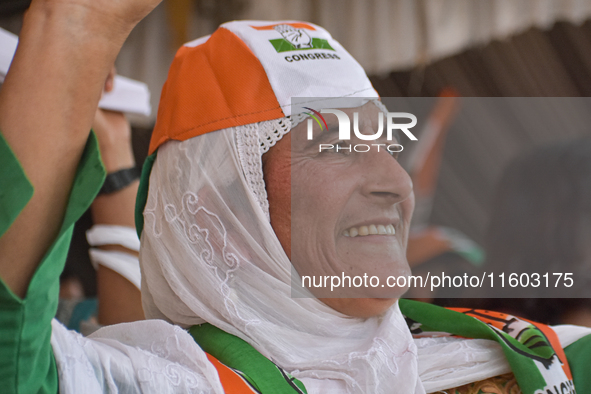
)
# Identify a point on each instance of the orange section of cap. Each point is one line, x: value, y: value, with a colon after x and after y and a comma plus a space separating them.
x: 296, y: 25
x: 215, y: 85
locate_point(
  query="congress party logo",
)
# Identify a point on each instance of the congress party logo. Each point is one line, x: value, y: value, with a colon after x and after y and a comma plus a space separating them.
x: 295, y: 37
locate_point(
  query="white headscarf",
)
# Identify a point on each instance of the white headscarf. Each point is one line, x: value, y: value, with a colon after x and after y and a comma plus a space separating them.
x: 209, y: 254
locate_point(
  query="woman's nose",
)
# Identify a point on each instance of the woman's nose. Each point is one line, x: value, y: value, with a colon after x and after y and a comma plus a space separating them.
x: 385, y: 181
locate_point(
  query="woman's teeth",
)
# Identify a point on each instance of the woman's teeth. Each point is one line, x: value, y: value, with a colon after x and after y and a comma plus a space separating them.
x: 372, y: 229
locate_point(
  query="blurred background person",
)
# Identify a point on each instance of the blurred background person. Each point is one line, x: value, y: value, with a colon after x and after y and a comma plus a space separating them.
x: 541, y: 221
x: 114, y: 241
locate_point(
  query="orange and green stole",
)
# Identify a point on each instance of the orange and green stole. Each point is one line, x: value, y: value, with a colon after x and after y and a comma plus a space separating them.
x: 241, y: 368
x: 533, y: 351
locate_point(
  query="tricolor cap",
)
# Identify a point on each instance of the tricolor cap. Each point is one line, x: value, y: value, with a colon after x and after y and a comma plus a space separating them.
x: 248, y: 72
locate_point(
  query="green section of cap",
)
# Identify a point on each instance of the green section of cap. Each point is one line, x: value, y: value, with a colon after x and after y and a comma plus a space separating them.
x: 282, y: 45
x: 142, y: 193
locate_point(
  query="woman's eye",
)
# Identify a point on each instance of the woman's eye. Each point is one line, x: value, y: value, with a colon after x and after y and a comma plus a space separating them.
x: 342, y: 147
x: 346, y: 148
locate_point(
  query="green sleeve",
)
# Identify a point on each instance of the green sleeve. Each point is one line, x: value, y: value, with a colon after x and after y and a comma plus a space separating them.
x: 27, y: 364
x: 578, y: 355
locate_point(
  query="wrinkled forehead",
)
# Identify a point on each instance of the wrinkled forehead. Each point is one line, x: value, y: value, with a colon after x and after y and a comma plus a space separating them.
x: 329, y: 121
x: 277, y: 161
x: 312, y: 124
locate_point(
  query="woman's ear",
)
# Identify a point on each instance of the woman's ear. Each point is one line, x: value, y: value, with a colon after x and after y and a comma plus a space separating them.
x: 277, y: 176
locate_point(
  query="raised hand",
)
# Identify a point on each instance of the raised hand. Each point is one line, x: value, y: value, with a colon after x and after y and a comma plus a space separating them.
x: 47, y: 105
x: 114, y: 134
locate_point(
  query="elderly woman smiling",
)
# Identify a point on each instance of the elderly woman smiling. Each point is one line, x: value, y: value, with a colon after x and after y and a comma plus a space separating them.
x: 227, y: 212
x: 350, y: 211
x: 230, y: 203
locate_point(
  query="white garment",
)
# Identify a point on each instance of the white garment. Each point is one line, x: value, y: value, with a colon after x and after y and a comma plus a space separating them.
x: 125, y: 264
x: 108, y: 234
x: 153, y: 356
x: 142, y: 357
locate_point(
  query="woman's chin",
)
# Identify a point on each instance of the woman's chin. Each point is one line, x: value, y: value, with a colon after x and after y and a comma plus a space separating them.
x: 360, y: 307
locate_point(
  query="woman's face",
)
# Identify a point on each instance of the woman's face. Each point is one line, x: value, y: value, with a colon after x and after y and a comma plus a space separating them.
x: 319, y: 200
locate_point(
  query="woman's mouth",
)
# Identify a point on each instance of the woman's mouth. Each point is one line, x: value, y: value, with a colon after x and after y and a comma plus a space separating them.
x: 372, y: 229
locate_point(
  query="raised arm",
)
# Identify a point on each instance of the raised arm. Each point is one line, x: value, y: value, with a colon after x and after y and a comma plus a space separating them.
x: 47, y: 105
x: 119, y: 299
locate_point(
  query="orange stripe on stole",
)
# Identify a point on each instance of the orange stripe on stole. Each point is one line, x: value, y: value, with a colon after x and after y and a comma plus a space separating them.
x: 231, y: 381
